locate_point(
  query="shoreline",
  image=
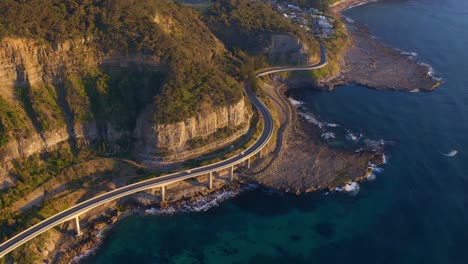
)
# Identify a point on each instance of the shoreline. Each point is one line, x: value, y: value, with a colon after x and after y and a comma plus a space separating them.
x: 196, y: 200
x: 88, y: 245
x: 367, y: 61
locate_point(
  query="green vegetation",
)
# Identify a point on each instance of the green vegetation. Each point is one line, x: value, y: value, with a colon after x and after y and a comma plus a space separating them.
x: 221, y: 133
x: 334, y: 45
x: 198, y: 69
x: 13, y: 122
x: 248, y: 25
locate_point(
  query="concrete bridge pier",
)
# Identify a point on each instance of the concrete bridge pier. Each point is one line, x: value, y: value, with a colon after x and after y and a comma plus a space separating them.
x: 163, y: 193
x: 259, y: 154
x: 231, y: 173
x: 78, y: 229
x: 247, y: 162
x: 210, y: 180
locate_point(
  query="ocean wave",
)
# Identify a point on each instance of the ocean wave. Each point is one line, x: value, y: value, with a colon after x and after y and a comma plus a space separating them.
x: 351, y: 188
x: 452, y: 153
x: 348, y: 19
x: 312, y: 119
x: 371, y: 177
x: 83, y: 255
x: 295, y: 103
x: 375, y: 145
x: 352, y: 137
x: 203, y: 204
x: 430, y: 71
x: 360, y: 4
x: 408, y: 53
x: 331, y: 124
x: 328, y: 135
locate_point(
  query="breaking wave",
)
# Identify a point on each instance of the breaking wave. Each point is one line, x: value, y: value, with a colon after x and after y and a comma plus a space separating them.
x: 375, y: 145
x: 409, y: 54
x: 314, y: 120
x: 295, y: 103
x: 351, y: 187
x: 201, y: 205
x: 328, y: 135
x: 430, y: 71
x: 352, y: 137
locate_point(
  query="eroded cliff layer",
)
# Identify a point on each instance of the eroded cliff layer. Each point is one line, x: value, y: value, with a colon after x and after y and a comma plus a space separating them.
x: 209, y: 129
x: 75, y: 94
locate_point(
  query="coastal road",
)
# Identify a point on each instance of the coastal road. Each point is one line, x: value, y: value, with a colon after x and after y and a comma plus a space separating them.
x: 162, y: 181
x: 87, y: 205
x: 323, y: 62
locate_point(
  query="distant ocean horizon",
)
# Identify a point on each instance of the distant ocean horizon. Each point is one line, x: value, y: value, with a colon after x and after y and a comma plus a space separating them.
x: 414, y: 209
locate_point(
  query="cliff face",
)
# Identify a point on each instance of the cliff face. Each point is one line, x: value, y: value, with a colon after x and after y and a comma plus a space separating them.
x: 171, y: 142
x: 28, y: 63
x: 288, y: 50
x: 41, y: 106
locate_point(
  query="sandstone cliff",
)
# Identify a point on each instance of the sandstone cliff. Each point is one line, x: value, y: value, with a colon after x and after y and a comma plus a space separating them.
x: 41, y: 106
x: 170, y: 142
x: 288, y: 50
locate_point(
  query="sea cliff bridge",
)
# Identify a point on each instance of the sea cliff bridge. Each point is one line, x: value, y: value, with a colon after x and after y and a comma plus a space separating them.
x: 73, y: 213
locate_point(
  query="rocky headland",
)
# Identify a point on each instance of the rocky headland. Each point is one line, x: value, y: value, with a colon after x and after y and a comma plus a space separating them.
x: 367, y: 61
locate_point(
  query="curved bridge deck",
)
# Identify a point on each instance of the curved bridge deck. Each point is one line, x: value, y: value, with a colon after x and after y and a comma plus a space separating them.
x: 75, y: 211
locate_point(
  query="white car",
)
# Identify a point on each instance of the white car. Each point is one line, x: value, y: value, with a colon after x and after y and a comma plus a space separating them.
x: 188, y: 171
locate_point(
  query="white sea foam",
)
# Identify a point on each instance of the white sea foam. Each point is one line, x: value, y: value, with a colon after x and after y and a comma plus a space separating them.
x: 348, y: 19
x: 377, y: 169
x: 409, y: 54
x: 332, y: 125
x: 201, y: 205
x: 351, y: 188
x: 371, y: 177
x: 360, y: 4
x: 352, y: 137
x: 83, y: 255
x: 312, y: 119
x: 430, y: 71
x: 375, y: 145
x: 384, y: 159
x: 328, y: 135
x: 452, y: 153
x: 295, y: 103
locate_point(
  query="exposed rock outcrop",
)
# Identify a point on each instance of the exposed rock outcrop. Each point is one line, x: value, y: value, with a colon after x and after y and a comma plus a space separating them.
x: 288, y: 50
x: 175, y: 138
x: 28, y: 64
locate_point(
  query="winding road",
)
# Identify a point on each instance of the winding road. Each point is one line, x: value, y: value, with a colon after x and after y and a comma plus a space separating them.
x: 75, y: 211
x: 323, y: 62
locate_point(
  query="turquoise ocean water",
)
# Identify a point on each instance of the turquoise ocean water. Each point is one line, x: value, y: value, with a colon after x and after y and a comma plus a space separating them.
x: 416, y: 211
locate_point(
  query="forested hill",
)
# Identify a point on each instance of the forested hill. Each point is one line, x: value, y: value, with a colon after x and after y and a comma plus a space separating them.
x: 200, y: 69
x: 248, y: 25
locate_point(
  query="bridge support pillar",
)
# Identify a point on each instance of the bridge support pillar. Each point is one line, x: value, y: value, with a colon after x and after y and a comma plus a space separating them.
x: 210, y: 180
x: 78, y: 229
x: 231, y: 173
x: 259, y: 154
x: 163, y: 193
x: 247, y: 162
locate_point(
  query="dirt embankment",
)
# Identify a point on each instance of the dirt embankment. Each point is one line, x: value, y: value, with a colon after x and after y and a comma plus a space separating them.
x: 367, y: 61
